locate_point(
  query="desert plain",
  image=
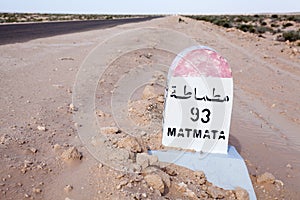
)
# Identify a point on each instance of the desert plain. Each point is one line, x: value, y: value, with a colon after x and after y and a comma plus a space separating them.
x: 44, y: 157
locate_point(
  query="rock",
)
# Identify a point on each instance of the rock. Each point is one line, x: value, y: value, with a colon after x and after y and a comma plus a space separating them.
x: 202, y: 181
x: 289, y: 166
x: 56, y: 147
x: 201, y: 177
x: 166, y: 179
x: 148, y: 55
x: 68, y: 188
x: 230, y: 29
x: 122, y: 183
x: 153, y: 160
x: 109, y: 130
x: 131, y: 144
x: 4, y: 139
x: 230, y: 194
x: 144, y: 195
x: 149, y: 92
x: 23, y: 170
x: 155, y: 181
x: 155, y: 170
x: 181, y: 187
x: 204, y: 195
x: 33, y: 150
x: 170, y: 171
x: 26, y: 195
x: 120, y: 176
x: 41, y: 128
x: 279, y: 184
x: 273, y: 105
x: 266, y: 178
x: 199, y: 174
x: 204, y: 187
x: 72, y: 107
x: 190, y: 194
x: 160, y: 99
x: 36, y: 190
x: 100, y: 113
x: 215, y: 192
x: 71, y: 154
x: 136, y: 168
x: 144, y: 160
x: 136, y: 196
x: 294, y: 50
x: 241, y: 194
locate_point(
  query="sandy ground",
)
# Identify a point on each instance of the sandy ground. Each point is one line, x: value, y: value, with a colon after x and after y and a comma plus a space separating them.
x: 37, y: 126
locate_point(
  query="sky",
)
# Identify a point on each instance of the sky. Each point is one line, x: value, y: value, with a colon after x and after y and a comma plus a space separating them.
x: 151, y: 6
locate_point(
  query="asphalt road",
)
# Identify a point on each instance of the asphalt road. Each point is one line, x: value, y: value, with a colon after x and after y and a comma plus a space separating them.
x: 14, y: 33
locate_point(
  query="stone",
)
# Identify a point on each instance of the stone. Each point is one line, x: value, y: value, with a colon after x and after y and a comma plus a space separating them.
x: 279, y: 183
x: 33, y: 150
x: 156, y: 170
x: 166, y: 179
x: 203, y: 194
x: 155, y: 181
x: 153, y: 160
x: 181, y: 187
x: 36, y: 190
x: 170, y: 171
x: 144, y: 160
x: 68, y: 188
x: 190, y: 194
x: 289, y: 166
x: 202, y: 181
x: 201, y: 177
x: 199, y: 174
x: 131, y: 144
x: 266, y: 178
x: 56, y: 147
x: 215, y: 192
x: 149, y: 92
x: 241, y: 194
x: 230, y: 194
x: 122, y: 183
x: 160, y: 99
x: 109, y: 130
x: 41, y: 128
x: 100, y: 113
x: 4, y: 139
x: 71, y: 154
x: 100, y: 165
x: 144, y: 195
x: 72, y: 107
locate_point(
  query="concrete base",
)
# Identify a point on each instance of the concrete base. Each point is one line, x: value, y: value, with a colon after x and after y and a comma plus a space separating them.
x: 225, y: 171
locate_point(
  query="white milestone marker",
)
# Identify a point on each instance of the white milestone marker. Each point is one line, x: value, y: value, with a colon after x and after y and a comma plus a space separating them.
x: 198, y: 102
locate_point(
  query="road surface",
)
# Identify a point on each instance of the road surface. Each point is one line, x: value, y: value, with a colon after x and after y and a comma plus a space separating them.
x: 14, y: 33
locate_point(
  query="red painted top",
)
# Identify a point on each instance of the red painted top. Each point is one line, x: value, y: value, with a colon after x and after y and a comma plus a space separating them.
x: 201, y: 61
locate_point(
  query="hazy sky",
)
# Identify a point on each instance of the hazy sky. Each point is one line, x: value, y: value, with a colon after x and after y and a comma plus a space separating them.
x: 151, y: 6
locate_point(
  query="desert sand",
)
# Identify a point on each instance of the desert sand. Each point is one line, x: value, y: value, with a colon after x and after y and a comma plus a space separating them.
x: 44, y: 157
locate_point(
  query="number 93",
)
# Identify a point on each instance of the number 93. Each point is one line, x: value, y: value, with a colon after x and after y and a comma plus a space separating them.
x: 196, y: 115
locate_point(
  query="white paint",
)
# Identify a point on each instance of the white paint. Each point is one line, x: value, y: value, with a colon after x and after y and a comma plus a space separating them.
x: 177, y: 113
